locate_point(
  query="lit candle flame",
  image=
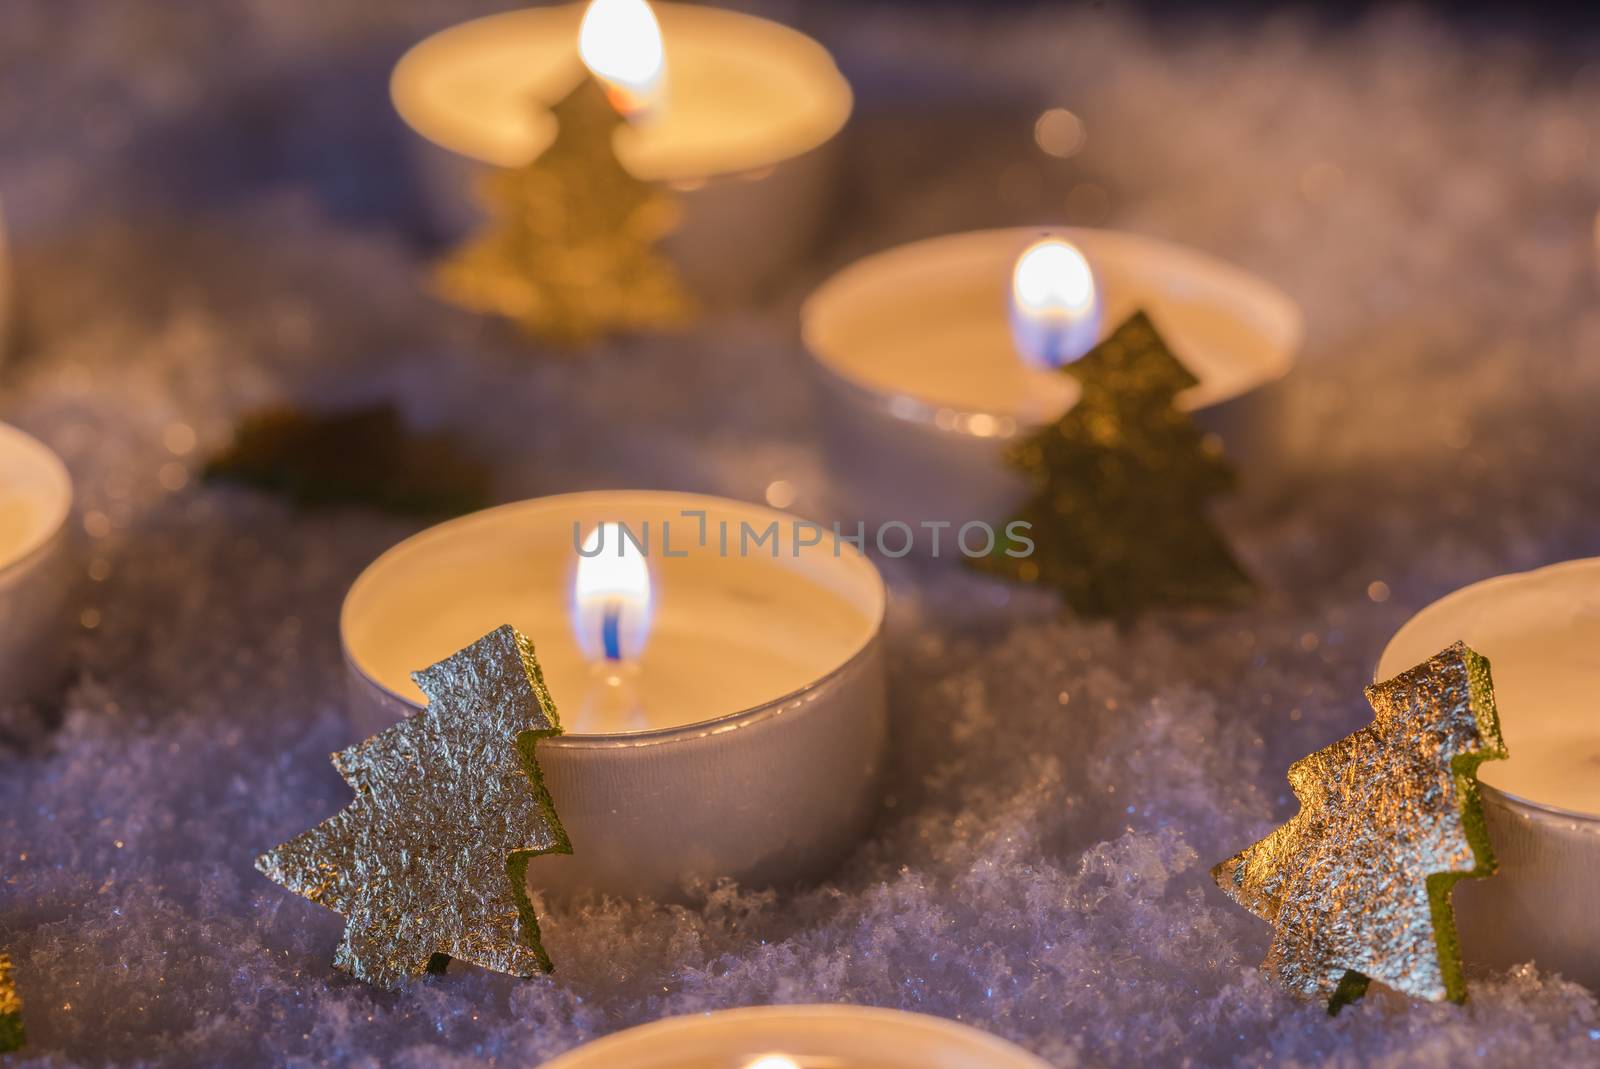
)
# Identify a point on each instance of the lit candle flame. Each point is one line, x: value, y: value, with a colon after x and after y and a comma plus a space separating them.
x: 611, y: 598
x: 1055, y: 304
x: 620, y: 42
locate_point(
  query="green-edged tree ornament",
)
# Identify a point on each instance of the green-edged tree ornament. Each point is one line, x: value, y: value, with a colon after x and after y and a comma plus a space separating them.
x: 427, y: 863
x: 1357, y: 884
x: 1121, y: 485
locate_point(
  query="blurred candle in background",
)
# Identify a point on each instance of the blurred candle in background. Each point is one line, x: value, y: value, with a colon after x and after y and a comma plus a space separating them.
x: 741, y: 116
x: 6, y: 296
x: 36, y: 573
x: 928, y: 372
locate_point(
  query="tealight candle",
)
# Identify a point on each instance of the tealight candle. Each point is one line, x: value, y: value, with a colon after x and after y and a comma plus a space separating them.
x: 35, y: 565
x: 716, y: 665
x: 935, y: 355
x: 800, y: 1037
x: 740, y: 116
x: 1540, y: 631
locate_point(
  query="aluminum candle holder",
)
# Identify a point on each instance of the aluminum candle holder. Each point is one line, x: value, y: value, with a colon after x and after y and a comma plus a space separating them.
x: 746, y: 740
x: 1540, y: 631
x: 744, y: 130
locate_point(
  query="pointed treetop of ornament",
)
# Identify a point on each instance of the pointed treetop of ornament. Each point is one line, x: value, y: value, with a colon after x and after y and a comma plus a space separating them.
x: 1134, y: 360
x: 427, y: 863
x: 1357, y: 884
x: 584, y: 119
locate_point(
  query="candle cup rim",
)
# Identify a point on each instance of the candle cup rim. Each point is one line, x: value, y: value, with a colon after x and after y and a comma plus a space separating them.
x: 413, y: 114
x: 714, y: 725
x: 973, y: 1041
x: 944, y: 421
x: 917, y: 411
x: 1540, y: 810
x: 51, y: 532
x: 1508, y: 799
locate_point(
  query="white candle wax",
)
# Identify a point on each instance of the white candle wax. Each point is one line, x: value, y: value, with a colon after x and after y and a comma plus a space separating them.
x: 729, y: 633
x: 745, y: 107
x: 926, y: 385
x: 800, y: 1037
x: 35, y: 569
x: 651, y: 780
x: 1540, y: 631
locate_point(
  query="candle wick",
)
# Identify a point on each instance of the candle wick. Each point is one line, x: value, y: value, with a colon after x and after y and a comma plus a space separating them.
x: 611, y: 629
x: 1055, y: 348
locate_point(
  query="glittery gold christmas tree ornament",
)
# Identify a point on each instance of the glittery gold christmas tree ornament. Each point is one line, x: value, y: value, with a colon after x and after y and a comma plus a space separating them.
x: 568, y: 252
x: 1120, y: 487
x: 427, y: 863
x: 12, y: 1036
x: 1357, y: 885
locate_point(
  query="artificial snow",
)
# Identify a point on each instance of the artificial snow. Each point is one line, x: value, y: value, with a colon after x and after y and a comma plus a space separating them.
x: 212, y: 212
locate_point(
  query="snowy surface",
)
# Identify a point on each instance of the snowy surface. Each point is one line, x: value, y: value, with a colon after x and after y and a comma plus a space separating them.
x: 212, y: 213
